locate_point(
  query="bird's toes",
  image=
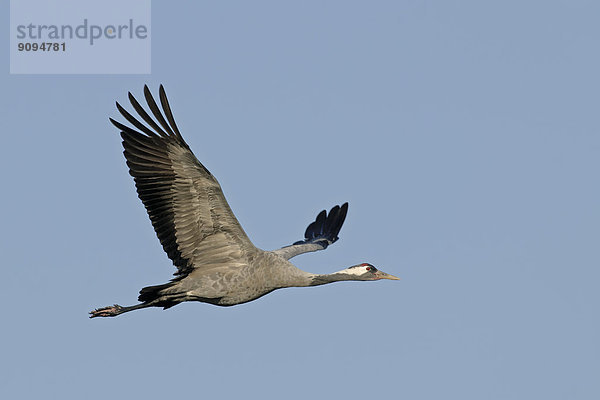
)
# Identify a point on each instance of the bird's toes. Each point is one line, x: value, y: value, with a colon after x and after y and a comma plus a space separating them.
x: 109, y: 311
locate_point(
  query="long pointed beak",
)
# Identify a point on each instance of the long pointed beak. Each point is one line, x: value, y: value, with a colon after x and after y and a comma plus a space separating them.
x: 383, y: 275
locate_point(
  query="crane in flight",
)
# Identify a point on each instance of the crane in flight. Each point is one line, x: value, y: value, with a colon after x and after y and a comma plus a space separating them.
x: 216, y: 261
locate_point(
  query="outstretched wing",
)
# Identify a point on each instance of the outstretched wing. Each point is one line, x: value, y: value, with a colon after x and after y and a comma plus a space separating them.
x: 319, y: 234
x: 184, y: 201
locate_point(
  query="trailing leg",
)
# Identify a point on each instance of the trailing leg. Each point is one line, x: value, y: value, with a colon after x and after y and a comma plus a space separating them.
x: 114, y: 310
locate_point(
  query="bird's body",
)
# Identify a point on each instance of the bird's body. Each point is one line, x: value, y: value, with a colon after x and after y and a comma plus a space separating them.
x: 216, y: 261
x: 227, y: 286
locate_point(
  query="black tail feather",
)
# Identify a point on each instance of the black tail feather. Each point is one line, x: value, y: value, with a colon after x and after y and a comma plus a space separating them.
x: 151, y: 294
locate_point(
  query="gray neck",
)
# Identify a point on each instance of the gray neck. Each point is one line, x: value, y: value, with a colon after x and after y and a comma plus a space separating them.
x: 295, y: 277
x: 307, y: 279
x: 330, y: 278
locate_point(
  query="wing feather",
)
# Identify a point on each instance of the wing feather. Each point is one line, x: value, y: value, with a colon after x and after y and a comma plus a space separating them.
x: 184, y: 201
x: 319, y: 234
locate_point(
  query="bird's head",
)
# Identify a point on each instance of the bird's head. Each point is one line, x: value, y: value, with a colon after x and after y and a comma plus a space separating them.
x: 366, y: 272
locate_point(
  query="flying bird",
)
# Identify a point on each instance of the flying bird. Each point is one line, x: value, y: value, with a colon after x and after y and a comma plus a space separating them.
x: 216, y: 261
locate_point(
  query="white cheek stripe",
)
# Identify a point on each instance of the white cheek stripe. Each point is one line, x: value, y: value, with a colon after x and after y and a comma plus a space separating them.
x: 355, y: 271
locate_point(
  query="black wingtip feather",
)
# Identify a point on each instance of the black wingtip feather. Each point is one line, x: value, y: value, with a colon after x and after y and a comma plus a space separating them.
x: 168, y: 113
x: 157, y: 112
x: 161, y: 126
x: 326, y: 226
x: 123, y: 128
x: 144, y: 115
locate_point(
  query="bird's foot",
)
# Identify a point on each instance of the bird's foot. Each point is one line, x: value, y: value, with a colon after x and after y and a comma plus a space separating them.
x: 110, y: 311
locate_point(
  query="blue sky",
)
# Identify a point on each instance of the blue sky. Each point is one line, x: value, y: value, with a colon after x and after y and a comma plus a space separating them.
x: 464, y: 135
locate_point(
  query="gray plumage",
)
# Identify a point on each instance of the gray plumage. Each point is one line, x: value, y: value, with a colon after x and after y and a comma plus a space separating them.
x: 216, y: 261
